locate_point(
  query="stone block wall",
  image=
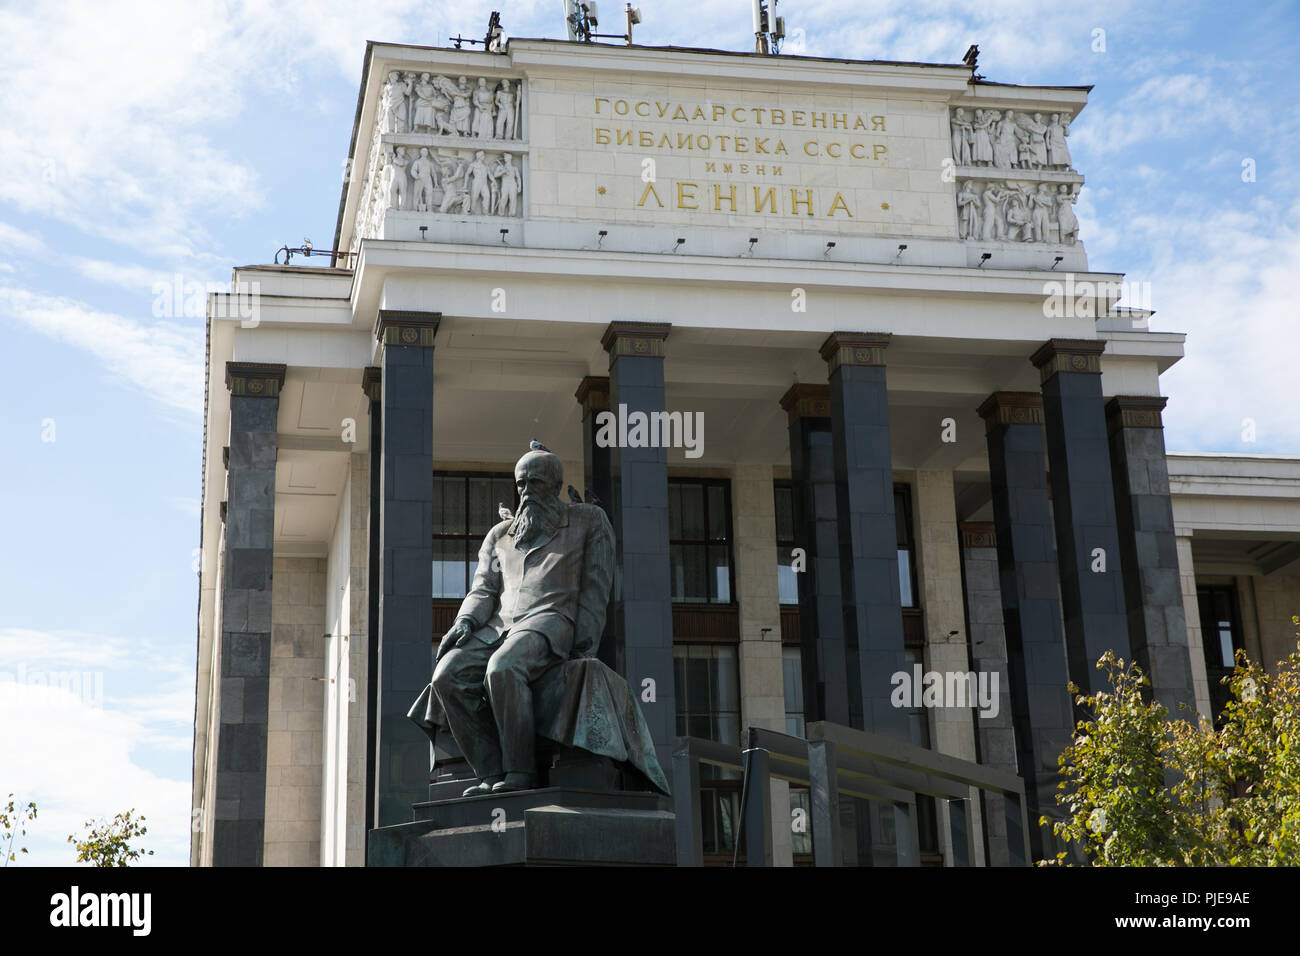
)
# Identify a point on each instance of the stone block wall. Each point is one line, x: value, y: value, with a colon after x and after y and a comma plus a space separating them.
x: 296, y: 713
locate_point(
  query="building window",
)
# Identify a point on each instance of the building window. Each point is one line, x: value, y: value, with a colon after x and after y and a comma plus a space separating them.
x: 464, y: 511
x: 1221, y: 636
x: 707, y: 684
x: 906, y: 546
x: 792, y: 677
x: 787, y: 580
x: 787, y: 583
x: 699, y: 540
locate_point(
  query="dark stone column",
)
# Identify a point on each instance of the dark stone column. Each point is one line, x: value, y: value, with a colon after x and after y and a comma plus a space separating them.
x: 864, y: 485
x: 1083, y: 502
x: 1157, y: 626
x: 239, y: 826
x: 827, y: 683
x: 995, y: 739
x: 372, y: 385
x: 597, y: 483
x: 1042, y: 712
x: 643, y: 619
x: 406, y: 558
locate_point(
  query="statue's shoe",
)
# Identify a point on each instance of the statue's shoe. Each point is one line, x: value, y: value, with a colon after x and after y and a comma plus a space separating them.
x: 481, y: 788
x: 514, y: 782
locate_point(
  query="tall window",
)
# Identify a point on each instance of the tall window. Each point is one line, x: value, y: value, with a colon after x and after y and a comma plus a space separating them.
x: 699, y: 540
x: 707, y: 682
x: 787, y: 579
x: 1221, y: 636
x: 792, y: 678
x: 465, y: 507
x: 906, y: 545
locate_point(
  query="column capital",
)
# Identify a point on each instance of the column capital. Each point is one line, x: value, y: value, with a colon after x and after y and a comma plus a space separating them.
x: 372, y: 381
x: 978, y: 534
x: 1011, y: 408
x: 593, y: 393
x: 1134, y: 411
x: 254, y: 379
x: 644, y: 339
x: 855, y: 348
x: 415, y: 329
x: 806, y: 400
x: 1068, y: 355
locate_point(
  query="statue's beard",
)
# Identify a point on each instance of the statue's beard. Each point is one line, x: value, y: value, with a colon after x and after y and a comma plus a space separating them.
x: 537, y: 520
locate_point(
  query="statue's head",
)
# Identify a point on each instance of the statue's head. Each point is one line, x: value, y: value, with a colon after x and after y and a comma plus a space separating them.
x: 539, y: 476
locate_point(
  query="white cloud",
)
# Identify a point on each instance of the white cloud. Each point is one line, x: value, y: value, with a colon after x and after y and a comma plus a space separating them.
x: 70, y: 745
x: 164, y: 359
x: 13, y: 241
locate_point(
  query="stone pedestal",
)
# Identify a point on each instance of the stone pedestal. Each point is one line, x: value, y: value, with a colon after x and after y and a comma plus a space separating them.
x: 553, y: 826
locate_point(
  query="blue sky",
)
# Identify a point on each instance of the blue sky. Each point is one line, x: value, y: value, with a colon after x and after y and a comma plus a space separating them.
x: 147, y: 141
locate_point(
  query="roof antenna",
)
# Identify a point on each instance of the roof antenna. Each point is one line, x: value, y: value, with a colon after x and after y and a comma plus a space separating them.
x: 769, y: 31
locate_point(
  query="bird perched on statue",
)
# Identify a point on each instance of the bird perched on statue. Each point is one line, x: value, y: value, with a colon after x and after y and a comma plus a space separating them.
x: 505, y: 513
x: 591, y: 497
x: 535, y: 445
x: 574, y: 496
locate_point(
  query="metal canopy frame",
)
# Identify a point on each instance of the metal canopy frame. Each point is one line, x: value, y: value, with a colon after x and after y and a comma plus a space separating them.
x: 833, y: 762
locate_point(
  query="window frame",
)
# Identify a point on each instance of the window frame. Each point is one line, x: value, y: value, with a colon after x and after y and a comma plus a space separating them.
x: 707, y: 542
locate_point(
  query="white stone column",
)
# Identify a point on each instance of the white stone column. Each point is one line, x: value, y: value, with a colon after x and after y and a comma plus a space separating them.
x: 1192, y: 611
x: 938, y: 557
x: 762, y: 688
x: 358, y: 658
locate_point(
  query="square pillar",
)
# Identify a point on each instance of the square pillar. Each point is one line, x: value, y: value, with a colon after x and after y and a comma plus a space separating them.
x: 864, y: 485
x: 372, y: 385
x: 826, y: 677
x: 1153, y: 595
x: 405, y: 635
x: 597, y: 478
x: 994, y: 738
x: 1042, y: 711
x: 643, y: 618
x: 1083, y: 502
x: 952, y: 729
x: 762, y: 680
x: 239, y: 824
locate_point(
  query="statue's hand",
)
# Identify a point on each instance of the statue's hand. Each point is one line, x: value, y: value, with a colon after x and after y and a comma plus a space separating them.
x: 457, y: 635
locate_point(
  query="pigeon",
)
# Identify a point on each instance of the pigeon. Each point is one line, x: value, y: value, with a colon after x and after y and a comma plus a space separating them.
x: 591, y: 497
x: 535, y: 445
x: 505, y: 513
x: 574, y: 496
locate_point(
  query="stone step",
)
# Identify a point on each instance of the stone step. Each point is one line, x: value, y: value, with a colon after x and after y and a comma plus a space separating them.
x: 479, y: 810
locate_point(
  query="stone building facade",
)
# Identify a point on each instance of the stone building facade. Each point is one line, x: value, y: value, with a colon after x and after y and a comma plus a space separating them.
x: 928, y: 434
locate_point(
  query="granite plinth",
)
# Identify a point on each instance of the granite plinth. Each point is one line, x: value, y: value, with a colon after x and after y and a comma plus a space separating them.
x: 551, y: 826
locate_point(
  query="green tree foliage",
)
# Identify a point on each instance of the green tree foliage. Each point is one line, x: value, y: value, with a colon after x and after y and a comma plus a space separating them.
x: 109, y: 844
x: 1141, y: 789
x: 13, y: 824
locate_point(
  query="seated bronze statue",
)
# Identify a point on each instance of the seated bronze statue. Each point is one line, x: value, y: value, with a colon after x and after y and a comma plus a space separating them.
x: 518, y: 662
